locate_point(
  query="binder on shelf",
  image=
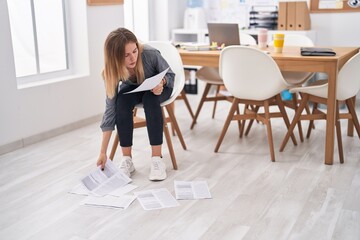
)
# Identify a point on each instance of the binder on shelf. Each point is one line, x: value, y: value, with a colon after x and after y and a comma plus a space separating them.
x: 302, y: 16
x: 282, y: 16
x: 290, y: 15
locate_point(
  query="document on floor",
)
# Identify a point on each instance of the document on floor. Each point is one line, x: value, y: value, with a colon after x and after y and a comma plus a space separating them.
x: 156, y: 199
x: 123, y: 190
x: 150, y: 83
x: 108, y: 201
x: 101, y: 182
x: 187, y: 190
x: 80, y: 189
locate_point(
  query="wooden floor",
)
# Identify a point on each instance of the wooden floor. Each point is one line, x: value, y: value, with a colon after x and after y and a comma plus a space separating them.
x: 296, y: 197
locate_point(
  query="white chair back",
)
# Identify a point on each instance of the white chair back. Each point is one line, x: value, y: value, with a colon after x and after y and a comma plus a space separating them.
x: 348, y: 84
x: 297, y: 40
x: 172, y: 56
x: 249, y: 73
x: 247, y: 39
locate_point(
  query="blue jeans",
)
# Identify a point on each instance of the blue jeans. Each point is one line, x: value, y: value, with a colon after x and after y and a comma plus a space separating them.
x: 125, y: 104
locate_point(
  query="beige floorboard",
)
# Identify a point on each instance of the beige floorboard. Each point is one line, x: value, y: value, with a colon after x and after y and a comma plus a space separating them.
x: 296, y: 197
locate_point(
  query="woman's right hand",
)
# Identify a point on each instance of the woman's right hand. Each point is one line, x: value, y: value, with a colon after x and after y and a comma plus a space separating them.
x: 101, y: 160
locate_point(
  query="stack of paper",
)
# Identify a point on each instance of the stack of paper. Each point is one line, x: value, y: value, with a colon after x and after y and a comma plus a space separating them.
x: 195, y: 46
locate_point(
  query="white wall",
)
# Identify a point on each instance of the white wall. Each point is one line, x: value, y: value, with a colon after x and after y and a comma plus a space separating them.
x: 31, y: 111
x: 165, y: 15
x: 337, y: 29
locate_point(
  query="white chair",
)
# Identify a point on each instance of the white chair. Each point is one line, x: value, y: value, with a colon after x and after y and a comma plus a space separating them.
x: 211, y: 77
x: 247, y: 39
x: 297, y: 78
x: 172, y: 56
x: 348, y: 85
x: 253, y: 78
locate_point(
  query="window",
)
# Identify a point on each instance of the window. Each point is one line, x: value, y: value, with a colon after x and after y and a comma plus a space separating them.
x: 38, y: 31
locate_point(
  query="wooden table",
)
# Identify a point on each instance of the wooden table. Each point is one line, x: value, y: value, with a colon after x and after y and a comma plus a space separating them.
x: 291, y: 60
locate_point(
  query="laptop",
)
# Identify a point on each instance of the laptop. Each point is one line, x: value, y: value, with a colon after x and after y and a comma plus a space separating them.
x: 224, y: 33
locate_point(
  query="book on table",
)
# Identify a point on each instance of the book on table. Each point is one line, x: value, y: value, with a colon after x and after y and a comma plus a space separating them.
x: 316, y: 51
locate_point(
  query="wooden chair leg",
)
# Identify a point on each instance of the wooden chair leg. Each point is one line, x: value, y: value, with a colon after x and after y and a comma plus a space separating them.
x: 281, y: 107
x: 307, y: 109
x: 175, y: 125
x: 255, y: 109
x: 184, y: 97
x: 114, y: 147
x: 242, y: 128
x: 206, y: 91
x: 338, y: 134
x: 350, y: 129
x: 168, y: 141
x: 351, y: 106
x: 269, y: 130
x: 311, y: 123
x: 296, y: 118
x: 227, y: 123
x: 295, y: 103
x: 172, y: 105
x: 215, y: 102
x: 239, y: 121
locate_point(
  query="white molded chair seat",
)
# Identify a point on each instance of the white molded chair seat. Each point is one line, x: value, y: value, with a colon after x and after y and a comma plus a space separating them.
x: 348, y: 85
x: 254, y: 79
x: 297, y: 78
x: 211, y: 76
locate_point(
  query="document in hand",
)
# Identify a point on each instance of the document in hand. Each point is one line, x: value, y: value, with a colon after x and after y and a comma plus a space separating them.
x: 191, y: 190
x: 314, y: 51
x: 101, y: 182
x: 150, y: 83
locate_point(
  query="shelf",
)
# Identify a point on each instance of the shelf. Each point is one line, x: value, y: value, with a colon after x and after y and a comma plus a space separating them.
x: 201, y: 35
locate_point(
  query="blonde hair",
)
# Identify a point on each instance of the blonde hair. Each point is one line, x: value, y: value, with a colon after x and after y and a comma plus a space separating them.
x: 114, y: 58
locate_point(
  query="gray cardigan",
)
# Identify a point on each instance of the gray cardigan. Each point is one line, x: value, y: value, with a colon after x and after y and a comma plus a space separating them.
x: 153, y: 63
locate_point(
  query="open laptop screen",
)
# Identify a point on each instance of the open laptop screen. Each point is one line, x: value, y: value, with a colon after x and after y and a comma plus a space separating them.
x: 227, y: 33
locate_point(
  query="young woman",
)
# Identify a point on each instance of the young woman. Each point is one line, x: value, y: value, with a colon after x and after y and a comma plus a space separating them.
x: 127, y: 64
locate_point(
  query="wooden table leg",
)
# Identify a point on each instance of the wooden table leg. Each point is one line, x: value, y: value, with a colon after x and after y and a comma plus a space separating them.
x: 331, y: 70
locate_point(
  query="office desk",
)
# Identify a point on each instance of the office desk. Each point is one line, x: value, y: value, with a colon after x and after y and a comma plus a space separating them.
x: 291, y: 60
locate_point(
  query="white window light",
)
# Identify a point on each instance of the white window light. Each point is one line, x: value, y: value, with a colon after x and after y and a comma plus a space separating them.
x: 38, y: 30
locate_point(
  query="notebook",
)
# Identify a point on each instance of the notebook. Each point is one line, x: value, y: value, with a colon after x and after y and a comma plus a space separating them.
x: 314, y: 51
x: 224, y: 33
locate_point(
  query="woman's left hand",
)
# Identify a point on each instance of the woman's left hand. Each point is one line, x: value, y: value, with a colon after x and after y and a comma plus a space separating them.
x: 158, y: 89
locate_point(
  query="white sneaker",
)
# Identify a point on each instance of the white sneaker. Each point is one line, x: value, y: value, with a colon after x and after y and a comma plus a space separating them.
x: 157, y: 169
x: 127, y: 166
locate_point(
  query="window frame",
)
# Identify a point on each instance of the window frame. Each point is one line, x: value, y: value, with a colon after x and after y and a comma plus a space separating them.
x: 38, y: 77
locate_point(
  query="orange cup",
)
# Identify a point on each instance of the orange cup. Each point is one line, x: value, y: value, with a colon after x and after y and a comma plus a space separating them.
x: 278, y: 42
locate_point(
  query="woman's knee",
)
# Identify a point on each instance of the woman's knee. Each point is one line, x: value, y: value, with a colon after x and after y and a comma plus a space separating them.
x: 150, y: 100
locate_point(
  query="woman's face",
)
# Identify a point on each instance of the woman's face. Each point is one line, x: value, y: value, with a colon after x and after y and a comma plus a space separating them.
x: 131, y: 55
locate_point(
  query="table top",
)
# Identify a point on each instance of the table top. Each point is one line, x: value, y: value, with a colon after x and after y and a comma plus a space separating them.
x: 287, y: 60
